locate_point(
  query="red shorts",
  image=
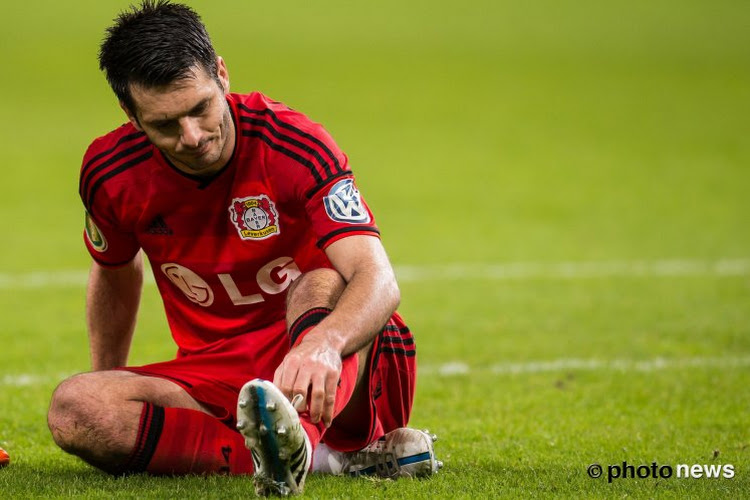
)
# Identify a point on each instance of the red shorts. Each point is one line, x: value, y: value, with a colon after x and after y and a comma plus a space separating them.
x: 215, y: 376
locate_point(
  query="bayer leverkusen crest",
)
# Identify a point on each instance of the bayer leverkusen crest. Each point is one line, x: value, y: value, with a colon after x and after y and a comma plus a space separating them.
x: 255, y: 217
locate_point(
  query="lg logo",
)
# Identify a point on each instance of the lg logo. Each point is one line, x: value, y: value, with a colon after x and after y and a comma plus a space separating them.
x: 192, y: 285
x: 273, y: 278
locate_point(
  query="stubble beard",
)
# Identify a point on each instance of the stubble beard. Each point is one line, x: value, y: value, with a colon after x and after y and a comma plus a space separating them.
x: 208, y: 164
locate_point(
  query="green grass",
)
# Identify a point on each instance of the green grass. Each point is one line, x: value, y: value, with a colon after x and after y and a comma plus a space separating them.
x: 481, y: 133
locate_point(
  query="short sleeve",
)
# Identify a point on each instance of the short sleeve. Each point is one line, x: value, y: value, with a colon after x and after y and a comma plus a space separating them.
x: 309, y: 167
x: 110, y: 243
x: 107, y: 245
x: 338, y: 210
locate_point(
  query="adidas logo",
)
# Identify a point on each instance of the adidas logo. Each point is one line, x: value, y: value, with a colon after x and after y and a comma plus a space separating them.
x: 158, y: 226
x: 378, y: 390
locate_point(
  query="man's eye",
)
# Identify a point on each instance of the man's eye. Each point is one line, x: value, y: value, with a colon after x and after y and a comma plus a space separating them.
x: 163, y: 126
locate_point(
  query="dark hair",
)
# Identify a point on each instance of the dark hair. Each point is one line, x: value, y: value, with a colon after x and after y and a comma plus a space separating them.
x: 154, y: 44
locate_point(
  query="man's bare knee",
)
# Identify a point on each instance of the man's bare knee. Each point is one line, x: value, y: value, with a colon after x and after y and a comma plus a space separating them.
x: 86, y: 421
x: 67, y: 413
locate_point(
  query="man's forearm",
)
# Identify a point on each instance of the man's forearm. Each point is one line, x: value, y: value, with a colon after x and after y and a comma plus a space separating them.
x: 369, y: 298
x: 112, y: 300
x: 368, y: 301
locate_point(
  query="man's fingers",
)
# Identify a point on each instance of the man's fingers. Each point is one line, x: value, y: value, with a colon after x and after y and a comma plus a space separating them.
x: 277, y: 375
x: 286, y: 377
x: 330, y: 399
x: 317, y: 397
x: 310, y: 370
x: 300, y: 386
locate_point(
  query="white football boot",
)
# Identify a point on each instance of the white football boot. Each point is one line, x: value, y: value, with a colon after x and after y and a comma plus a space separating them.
x: 403, y: 452
x: 279, y: 445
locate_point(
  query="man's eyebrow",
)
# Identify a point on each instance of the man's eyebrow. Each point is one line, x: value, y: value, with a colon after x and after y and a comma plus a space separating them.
x: 195, y: 109
x: 200, y: 106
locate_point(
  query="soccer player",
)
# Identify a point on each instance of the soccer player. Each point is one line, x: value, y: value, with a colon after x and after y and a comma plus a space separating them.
x: 275, y: 283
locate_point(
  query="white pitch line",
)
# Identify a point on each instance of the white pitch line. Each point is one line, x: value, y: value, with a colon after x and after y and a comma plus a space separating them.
x: 461, y: 368
x: 30, y: 379
x: 461, y: 272
x: 575, y: 270
x: 458, y: 368
x: 42, y: 279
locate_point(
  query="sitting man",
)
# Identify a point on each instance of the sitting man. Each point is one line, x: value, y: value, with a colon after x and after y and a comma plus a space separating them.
x: 277, y: 290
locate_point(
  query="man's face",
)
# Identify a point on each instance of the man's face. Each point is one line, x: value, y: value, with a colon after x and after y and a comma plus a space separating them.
x: 188, y: 120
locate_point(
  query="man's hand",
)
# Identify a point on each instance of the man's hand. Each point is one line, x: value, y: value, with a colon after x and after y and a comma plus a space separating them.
x: 313, y: 366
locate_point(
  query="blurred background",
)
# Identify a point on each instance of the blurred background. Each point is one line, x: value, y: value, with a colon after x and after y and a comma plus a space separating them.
x: 489, y: 131
x: 483, y: 133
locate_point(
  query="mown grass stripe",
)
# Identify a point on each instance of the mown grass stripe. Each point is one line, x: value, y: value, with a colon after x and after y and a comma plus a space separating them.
x: 465, y: 272
x: 459, y: 368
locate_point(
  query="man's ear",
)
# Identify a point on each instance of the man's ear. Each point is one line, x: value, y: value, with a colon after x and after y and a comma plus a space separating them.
x: 222, y: 73
x: 131, y: 117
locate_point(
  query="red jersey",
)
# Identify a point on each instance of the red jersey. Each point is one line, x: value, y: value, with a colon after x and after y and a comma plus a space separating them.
x: 224, y: 249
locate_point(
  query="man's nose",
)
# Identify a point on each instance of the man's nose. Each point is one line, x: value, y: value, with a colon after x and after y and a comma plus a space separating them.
x: 190, y: 133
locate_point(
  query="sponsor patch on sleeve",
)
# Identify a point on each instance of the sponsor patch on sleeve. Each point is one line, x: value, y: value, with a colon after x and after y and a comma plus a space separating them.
x: 344, y: 204
x: 95, y: 237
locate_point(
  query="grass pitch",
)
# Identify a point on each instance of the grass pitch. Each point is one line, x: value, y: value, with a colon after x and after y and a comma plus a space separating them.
x: 563, y: 186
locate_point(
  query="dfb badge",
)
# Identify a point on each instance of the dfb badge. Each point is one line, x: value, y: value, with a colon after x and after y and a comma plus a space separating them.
x: 255, y: 217
x: 94, y: 235
x: 344, y: 204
